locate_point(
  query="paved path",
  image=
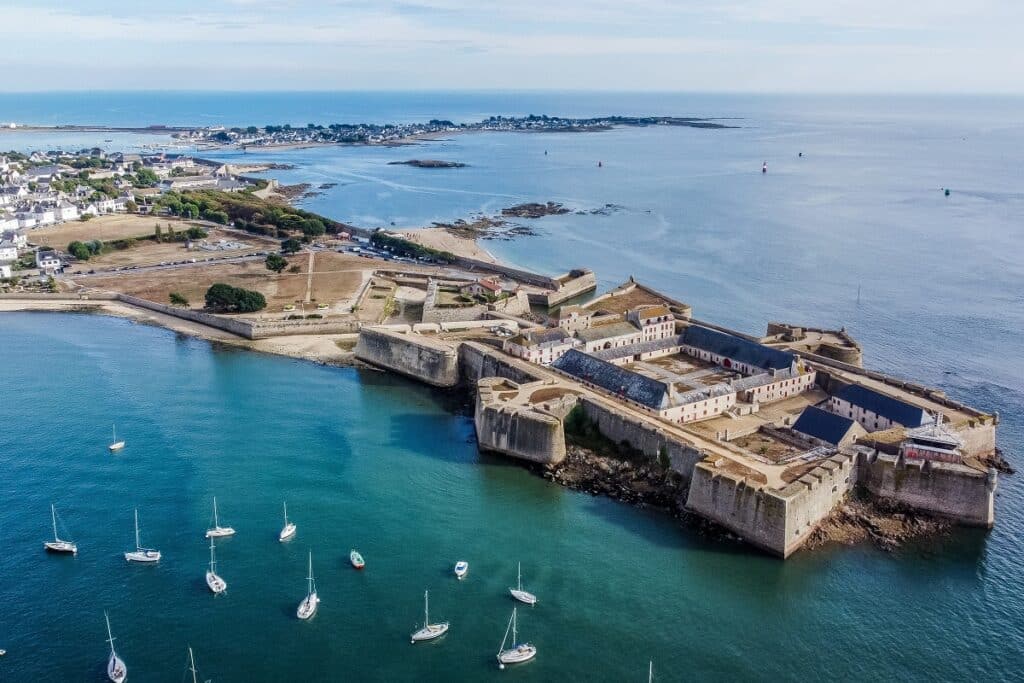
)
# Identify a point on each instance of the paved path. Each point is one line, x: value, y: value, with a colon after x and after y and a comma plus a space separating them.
x: 309, y: 278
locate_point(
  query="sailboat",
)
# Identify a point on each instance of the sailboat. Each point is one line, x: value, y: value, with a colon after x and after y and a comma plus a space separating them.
x: 57, y: 545
x: 289, y: 528
x: 429, y: 631
x: 115, y: 445
x: 519, y: 652
x: 650, y: 671
x: 116, y: 670
x: 356, y: 559
x: 141, y: 554
x: 192, y: 667
x: 218, y: 531
x: 519, y: 594
x: 307, y: 608
x: 216, y: 584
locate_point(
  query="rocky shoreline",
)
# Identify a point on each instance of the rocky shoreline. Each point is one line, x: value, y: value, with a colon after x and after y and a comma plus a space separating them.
x: 887, y: 525
x: 428, y: 163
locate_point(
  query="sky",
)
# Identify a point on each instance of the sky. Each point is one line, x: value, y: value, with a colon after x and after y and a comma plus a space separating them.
x: 789, y: 46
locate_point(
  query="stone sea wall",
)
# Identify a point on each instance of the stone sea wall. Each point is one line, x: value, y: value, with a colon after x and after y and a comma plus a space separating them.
x: 520, y: 431
x: 415, y: 356
x: 961, y: 493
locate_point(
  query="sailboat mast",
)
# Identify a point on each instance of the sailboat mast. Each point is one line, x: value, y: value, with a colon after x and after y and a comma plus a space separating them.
x: 515, y: 636
x: 650, y: 671
x: 520, y: 575
x: 286, y: 513
x: 309, y: 591
x: 426, y: 608
x: 213, y: 561
x: 138, y: 546
x: 110, y: 636
x: 216, y: 522
x: 192, y: 664
x: 53, y: 514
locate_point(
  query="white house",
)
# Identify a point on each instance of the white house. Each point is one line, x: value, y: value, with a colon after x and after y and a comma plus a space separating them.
x: 48, y: 261
x: 8, y: 251
x: 12, y: 234
x: 540, y: 346
x: 44, y: 215
x: 656, y: 322
x: 483, y: 287
x: 26, y: 220
x: 66, y: 211
x: 5, y: 270
x: 8, y: 222
x: 876, y: 411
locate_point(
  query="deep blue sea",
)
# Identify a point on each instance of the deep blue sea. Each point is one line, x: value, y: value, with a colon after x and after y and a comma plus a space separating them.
x: 856, y: 232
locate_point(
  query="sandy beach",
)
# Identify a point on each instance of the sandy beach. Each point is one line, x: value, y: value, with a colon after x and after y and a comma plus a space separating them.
x: 441, y: 239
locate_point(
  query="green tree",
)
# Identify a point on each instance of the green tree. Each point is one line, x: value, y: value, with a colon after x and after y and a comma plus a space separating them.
x: 252, y: 130
x: 131, y: 207
x: 196, y: 233
x: 178, y: 300
x: 190, y: 211
x: 290, y: 246
x: 313, y: 227
x: 227, y: 299
x: 79, y: 251
x: 171, y: 236
x: 145, y: 177
x: 158, y: 235
x: 276, y: 262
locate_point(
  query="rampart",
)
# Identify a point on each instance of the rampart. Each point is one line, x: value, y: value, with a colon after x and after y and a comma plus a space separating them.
x: 521, y: 430
x: 955, y: 491
x: 422, y: 358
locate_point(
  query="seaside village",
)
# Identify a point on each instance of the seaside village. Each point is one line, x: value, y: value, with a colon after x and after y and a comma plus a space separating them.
x: 48, y: 188
x: 766, y: 436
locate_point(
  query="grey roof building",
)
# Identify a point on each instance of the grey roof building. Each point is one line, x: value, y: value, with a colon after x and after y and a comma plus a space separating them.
x: 737, y: 348
x: 825, y: 426
x: 630, y: 385
x: 888, y: 407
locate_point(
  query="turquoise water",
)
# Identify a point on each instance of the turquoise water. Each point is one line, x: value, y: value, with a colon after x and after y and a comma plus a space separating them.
x: 367, y: 460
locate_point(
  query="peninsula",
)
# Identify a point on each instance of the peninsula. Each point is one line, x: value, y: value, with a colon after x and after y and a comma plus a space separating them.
x: 628, y: 394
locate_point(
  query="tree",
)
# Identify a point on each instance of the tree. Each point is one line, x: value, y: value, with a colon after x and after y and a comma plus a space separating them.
x: 79, y: 250
x: 276, y: 262
x: 158, y: 235
x: 190, y: 211
x: 227, y: 299
x: 252, y: 130
x: 313, y: 227
x: 131, y: 207
x: 144, y: 177
x: 178, y: 300
x: 196, y: 233
x: 290, y: 246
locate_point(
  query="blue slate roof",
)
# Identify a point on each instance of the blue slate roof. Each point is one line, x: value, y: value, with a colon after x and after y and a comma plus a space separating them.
x: 643, y: 390
x: 886, y: 406
x: 737, y: 348
x: 823, y: 425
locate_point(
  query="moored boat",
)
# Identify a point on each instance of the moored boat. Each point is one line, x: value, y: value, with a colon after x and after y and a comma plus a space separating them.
x: 115, y: 445
x: 57, y: 545
x: 116, y: 670
x: 218, y: 531
x: 518, y: 593
x: 518, y: 652
x: 141, y: 554
x: 307, y: 608
x: 356, y: 559
x: 429, y: 631
x: 461, y: 569
x: 213, y: 580
x: 288, y: 531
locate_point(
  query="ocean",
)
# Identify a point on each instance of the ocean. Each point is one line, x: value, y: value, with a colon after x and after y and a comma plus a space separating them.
x: 856, y: 232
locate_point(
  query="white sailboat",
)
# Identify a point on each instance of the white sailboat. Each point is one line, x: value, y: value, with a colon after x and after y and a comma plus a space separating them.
x: 116, y: 670
x: 216, y: 584
x: 115, y: 445
x: 650, y: 671
x: 218, y: 531
x: 429, y: 631
x: 289, y: 528
x: 307, y: 608
x: 519, y: 594
x: 141, y: 554
x: 519, y: 652
x: 57, y: 545
x: 192, y: 667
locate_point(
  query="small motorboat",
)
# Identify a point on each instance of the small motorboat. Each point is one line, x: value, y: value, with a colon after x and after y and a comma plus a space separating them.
x: 461, y: 569
x: 356, y: 559
x: 429, y: 631
x: 218, y: 531
x: 519, y: 652
x: 288, y: 531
